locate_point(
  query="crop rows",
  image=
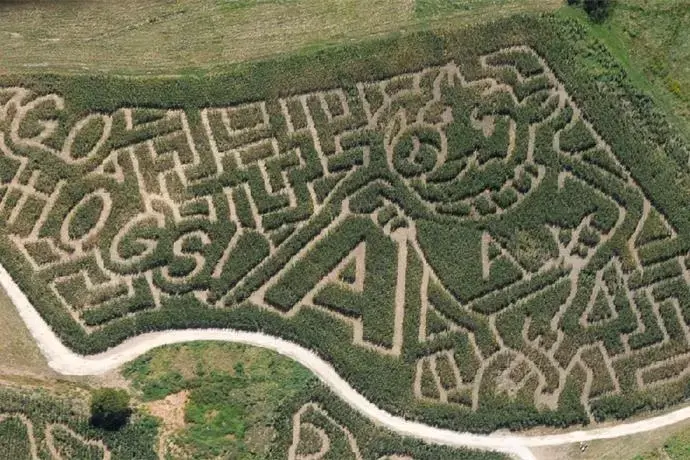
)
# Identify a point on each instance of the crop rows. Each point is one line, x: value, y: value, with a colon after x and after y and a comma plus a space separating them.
x: 315, y: 424
x: 459, y: 237
x: 36, y: 426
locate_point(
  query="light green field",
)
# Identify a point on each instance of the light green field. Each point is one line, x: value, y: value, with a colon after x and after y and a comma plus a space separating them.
x: 674, y: 446
x: 234, y: 395
x: 163, y: 37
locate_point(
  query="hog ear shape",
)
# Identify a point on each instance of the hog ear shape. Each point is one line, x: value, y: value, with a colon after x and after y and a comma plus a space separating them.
x: 520, y: 61
x: 396, y: 125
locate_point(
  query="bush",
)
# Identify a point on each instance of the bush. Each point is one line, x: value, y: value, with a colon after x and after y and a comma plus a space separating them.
x: 110, y: 408
x: 598, y: 10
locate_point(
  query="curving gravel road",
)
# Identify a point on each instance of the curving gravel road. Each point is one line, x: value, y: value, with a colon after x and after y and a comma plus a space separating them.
x: 66, y: 362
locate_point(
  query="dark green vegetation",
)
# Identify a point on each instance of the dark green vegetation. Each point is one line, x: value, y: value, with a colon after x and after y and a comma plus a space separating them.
x: 511, y: 211
x: 598, y: 10
x: 241, y: 402
x: 110, y: 408
x: 34, y: 421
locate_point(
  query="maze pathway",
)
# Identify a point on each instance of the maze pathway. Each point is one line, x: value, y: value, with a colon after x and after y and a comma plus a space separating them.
x: 471, y: 226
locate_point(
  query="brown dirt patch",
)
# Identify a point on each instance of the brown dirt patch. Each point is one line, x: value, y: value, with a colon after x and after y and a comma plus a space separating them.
x: 170, y: 410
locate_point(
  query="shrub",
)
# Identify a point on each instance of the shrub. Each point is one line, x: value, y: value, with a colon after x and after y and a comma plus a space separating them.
x: 110, y: 408
x: 598, y: 10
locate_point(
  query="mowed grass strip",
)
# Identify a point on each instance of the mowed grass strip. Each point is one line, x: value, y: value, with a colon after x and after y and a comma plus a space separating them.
x: 162, y: 37
x: 19, y: 353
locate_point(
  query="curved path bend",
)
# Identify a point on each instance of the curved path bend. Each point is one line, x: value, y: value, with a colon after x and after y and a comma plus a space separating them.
x: 66, y: 362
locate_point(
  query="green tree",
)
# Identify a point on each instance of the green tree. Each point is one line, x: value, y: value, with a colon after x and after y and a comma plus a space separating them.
x: 598, y: 10
x: 110, y: 408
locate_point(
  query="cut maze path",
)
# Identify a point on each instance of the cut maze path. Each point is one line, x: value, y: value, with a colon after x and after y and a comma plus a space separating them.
x: 66, y: 362
x: 295, y: 200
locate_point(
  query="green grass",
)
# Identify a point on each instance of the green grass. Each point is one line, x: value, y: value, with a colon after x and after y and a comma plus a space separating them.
x: 242, y: 401
x: 649, y: 37
x: 235, y: 394
x: 162, y: 37
x: 677, y: 447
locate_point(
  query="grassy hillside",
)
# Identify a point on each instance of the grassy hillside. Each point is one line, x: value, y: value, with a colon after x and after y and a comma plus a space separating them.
x: 233, y: 395
x: 649, y: 38
x: 18, y: 350
x: 163, y: 37
x: 676, y: 447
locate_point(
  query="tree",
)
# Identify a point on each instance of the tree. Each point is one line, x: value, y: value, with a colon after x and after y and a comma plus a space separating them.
x: 110, y: 408
x: 597, y: 9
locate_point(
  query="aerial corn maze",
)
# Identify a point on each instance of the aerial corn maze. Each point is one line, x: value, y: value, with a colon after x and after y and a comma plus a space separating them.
x: 472, y: 228
x: 37, y: 425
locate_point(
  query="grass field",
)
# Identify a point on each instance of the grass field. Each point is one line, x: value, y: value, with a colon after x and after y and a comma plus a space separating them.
x: 670, y: 444
x: 19, y: 353
x: 649, y: 37
x: 234, y: 395
x: 163, y: 37
x: 676, y: 447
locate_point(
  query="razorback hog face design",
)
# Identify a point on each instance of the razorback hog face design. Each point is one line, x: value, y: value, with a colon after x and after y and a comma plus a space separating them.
x: 466, y: 148
x: 475, y: 149
x: 509, y: 153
